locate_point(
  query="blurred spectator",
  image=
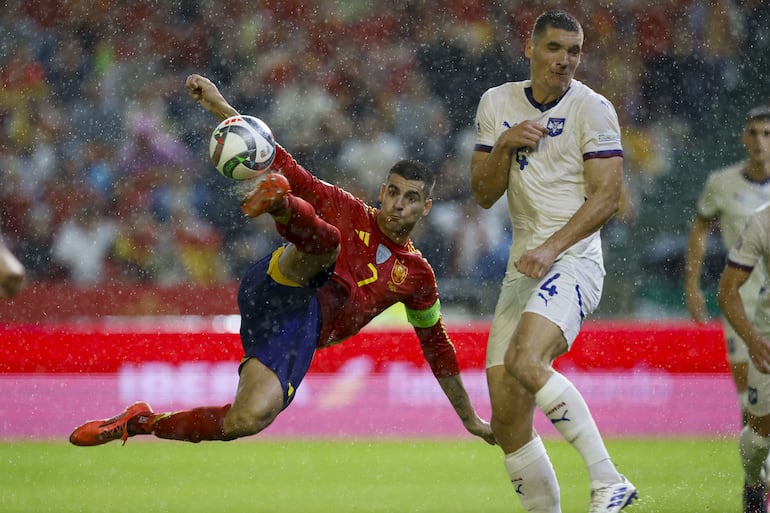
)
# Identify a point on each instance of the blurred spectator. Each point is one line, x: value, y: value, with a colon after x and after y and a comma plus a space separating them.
x: 82, y: 244
x: 421, y: 121
x: 480, y: 241
x: 365, y: 157
x: 140, y: 252
x: 304, y: 116
x: 150, y: 146
x: 755, y: 48
x: 197, y: 244
x: 34, y: 247
x: 462, y: 240
x: 22, y: 80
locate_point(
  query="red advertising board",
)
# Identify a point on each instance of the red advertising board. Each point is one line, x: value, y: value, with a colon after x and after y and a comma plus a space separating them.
x: 102, y: 346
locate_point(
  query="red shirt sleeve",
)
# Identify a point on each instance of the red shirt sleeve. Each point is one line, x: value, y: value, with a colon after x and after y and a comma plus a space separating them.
x: 439, y: 350
x: 329, y: 201
x: 300, y: 178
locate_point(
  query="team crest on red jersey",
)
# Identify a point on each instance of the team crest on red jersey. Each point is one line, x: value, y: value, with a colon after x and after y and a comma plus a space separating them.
x: 399, y: 272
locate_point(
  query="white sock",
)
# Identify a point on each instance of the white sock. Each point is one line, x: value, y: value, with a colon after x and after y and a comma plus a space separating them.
x: 754, y: 450
x: 568, y: 412
x: 533, y: 478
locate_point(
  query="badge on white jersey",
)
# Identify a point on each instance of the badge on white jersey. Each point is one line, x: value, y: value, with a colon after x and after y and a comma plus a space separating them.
x: 555, y: 126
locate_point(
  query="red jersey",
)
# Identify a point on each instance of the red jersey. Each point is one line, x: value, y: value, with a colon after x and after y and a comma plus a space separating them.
x: 372, y: 272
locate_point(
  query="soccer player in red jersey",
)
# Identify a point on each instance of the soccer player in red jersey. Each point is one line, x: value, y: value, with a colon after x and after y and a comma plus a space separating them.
x: 344, y: 263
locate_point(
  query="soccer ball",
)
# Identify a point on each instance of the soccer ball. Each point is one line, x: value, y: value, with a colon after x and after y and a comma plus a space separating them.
x: 242, y: 147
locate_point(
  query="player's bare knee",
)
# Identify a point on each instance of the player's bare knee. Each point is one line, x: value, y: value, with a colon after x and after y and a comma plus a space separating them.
x: 516, y: 363
x: 525, y: 367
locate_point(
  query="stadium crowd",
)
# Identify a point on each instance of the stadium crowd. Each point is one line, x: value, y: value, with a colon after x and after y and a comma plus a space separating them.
x: 104, y: 157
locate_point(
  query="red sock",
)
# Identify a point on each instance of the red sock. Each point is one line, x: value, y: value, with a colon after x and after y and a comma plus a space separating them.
x: 301, y: 226
x: 195, y: 425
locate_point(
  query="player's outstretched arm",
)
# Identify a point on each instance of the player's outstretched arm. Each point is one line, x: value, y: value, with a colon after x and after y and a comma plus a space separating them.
x: 203, y: 91
x: 440, y: 354
x: 208, y: 96
x: 455, y: 391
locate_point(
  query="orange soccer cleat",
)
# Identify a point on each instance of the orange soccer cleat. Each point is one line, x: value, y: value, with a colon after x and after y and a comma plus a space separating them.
x: 98, y: 432
x: 267, y: 196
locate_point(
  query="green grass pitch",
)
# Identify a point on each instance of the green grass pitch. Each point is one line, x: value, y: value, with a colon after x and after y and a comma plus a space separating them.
x: 269, y: 475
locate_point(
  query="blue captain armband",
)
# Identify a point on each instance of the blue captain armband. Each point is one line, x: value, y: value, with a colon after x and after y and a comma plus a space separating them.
x: 424, y: 318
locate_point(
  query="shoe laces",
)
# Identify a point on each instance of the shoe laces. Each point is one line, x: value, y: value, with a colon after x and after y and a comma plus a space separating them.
x: 121, y: 429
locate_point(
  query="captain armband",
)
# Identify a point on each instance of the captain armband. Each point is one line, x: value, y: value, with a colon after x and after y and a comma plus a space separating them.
x: 424, y: 318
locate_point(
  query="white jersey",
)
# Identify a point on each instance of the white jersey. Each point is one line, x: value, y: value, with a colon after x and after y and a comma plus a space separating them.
x: 751, y: 250
x: 732, y: 198
x: 546, y: 186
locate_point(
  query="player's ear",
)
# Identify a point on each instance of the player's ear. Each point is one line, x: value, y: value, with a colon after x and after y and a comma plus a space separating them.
x: 528, y: 48
x: 427, y: 206
x: 381, y: 195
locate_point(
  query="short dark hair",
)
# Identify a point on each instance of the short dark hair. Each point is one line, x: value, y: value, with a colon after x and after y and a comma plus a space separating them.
x: 415, y: 170
x: 557, y: 19
x: 761, y: 113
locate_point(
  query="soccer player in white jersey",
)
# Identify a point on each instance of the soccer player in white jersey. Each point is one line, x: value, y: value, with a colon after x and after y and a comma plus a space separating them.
x: 730, y: 196
x: 553, y: 146
x: 752, y: 249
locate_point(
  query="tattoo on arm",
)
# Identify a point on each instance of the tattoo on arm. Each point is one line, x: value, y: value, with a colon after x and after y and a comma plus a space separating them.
x: 457, y: 395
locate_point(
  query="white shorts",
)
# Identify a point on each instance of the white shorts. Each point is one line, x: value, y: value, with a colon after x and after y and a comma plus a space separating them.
x: 565, y: 296
x: 737, y: 352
